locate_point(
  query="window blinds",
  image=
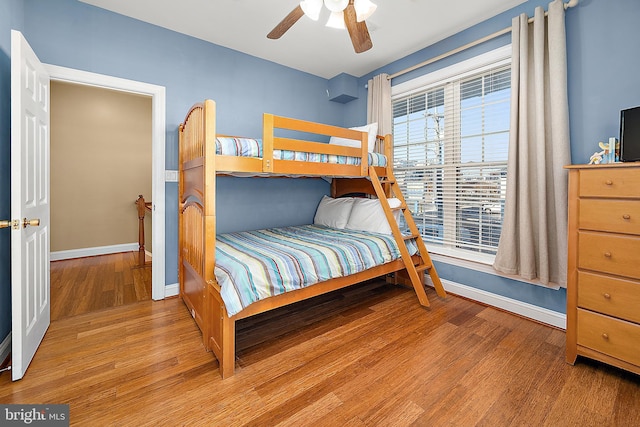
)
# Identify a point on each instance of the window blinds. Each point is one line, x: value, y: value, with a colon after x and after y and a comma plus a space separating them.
x: 450, y: 158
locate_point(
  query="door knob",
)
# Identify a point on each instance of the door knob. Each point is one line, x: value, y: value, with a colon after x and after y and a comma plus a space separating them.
x: 32, y: 222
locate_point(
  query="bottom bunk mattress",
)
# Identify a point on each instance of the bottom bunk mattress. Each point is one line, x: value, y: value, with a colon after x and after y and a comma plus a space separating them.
x: 253, y: 265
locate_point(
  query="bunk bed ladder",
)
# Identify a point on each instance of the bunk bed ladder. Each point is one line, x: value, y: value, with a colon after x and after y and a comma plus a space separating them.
x: 414, y: 270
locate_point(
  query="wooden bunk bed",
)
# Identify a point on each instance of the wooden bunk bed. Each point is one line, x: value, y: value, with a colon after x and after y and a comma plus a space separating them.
x: 198, y: 166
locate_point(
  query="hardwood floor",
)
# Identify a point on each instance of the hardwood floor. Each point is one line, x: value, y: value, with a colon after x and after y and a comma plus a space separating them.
x: 82, y: 285
x: 365, y: 356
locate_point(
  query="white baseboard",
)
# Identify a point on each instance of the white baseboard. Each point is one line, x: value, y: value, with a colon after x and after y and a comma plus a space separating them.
x: 539, y: 314
x: 172, y: 290
x: 5, y: 348
x: 98, y: 250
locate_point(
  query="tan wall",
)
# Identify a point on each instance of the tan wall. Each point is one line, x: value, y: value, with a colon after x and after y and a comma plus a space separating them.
x: 100, y: 163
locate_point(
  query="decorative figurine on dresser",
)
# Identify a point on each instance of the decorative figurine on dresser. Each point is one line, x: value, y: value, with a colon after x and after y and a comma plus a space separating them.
x: 603, y: 283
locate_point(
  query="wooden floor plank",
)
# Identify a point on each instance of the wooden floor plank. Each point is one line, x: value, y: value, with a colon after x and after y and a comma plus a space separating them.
x: 370, y: 355
x: 81, y: 285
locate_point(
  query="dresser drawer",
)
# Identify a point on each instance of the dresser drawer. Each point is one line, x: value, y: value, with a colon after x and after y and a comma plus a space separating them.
x: 609, y: 295
x: 613, y: 337
x: 618, y: 216
x: 609, y: 253
x: 610, y: 182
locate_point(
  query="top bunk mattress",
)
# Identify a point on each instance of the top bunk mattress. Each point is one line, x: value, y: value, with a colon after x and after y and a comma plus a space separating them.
x: 254, y: 265
x: 249, y: 147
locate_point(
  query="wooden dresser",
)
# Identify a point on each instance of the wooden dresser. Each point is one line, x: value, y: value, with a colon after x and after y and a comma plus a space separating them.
x: 603, y: 287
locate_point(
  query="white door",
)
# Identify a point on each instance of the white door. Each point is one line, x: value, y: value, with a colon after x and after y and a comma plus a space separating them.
x: 30, y: 303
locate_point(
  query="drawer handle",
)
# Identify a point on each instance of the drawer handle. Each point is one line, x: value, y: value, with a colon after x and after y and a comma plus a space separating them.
x: 608, y: 182
x: 607, y: 254
x: 605, y: 336
x: 607, y: 296
x: 626, y: 216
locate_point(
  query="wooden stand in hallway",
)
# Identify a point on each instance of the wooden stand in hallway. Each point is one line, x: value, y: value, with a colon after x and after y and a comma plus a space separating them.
x: 143, y: 206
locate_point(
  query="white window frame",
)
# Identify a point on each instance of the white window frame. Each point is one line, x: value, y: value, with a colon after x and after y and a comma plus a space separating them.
x: 478, y: 64
x: 459, y: 71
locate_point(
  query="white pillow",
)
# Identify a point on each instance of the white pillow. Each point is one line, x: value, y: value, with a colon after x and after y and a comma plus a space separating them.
x: 333, y: 212
x: 368, y: 215
x: 394, y: 203
x: 372, y: 133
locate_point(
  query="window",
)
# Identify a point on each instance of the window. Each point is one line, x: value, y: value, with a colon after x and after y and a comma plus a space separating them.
x: 451, y: 136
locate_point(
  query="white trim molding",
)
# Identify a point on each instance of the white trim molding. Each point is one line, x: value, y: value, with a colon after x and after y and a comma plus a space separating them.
x: 172, y: 290
x: 480, y: 265
x: 158, y: 136
x: 530, y: 311
x: 98, y: 250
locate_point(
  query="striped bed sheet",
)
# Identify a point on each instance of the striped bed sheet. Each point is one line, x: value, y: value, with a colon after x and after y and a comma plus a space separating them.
x: 249, y: 147
x: 253, y: 265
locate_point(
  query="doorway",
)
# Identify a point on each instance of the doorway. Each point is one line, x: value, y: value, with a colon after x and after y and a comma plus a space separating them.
x: 100, y: 162
x: 157, y: 94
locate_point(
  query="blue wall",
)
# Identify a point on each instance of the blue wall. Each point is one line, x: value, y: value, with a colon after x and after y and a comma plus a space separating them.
x: 603, y: 64
x: 76, y: 35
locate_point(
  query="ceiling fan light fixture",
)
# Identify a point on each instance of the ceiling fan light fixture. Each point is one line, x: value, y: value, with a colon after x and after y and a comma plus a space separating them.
x: 336, y: 5
x: 336, y: 20
x: 364, y: 9
x: 311, y: 8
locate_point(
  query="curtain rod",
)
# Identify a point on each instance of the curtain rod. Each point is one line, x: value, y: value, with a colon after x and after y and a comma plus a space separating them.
x: 570, y: 3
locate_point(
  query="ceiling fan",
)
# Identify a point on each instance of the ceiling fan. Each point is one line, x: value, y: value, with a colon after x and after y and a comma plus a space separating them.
x: 349, y: 14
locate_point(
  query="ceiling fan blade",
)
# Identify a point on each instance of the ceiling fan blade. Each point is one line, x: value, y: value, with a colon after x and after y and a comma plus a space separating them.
x: 358, y: 31
x: 286, y: 23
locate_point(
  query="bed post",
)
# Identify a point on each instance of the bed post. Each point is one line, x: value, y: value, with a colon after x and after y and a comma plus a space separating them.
x: 209, y: 205
x: 222, y: 333
x: 180, y: 207
x: 267, y: 142
x: 364, y: 154
x: 387, y: 150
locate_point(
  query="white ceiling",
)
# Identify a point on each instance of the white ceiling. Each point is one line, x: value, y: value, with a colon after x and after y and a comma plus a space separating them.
x: 398, y: 28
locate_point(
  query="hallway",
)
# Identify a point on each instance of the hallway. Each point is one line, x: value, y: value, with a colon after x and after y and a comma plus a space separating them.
x: 83, y: 285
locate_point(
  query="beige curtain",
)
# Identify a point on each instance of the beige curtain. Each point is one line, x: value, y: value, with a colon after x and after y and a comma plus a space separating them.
x: 379, y: 103
x: 533, y: 243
